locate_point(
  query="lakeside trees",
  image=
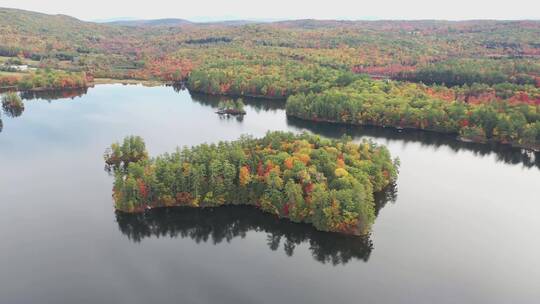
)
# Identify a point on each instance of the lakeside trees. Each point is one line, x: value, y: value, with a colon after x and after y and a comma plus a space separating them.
x: 119, y: 156
x: 45, y: 79
x: 263, y: 78
x: 388, y: 103
x: 305, y: 178
x: 458, y: 72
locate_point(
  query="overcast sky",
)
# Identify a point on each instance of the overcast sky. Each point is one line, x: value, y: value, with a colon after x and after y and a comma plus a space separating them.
x: 285, y: 9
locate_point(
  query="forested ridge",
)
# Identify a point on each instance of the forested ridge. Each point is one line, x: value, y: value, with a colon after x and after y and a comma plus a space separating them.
x: 305, y: 178
x: 495, y: 51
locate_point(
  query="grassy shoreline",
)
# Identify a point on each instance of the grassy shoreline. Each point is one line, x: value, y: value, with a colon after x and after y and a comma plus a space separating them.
x: 97, y: 81
x: 147, y: 83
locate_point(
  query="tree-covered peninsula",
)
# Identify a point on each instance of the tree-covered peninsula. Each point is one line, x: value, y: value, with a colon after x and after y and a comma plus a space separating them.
x: 435, y: 108
x: 305, y: 178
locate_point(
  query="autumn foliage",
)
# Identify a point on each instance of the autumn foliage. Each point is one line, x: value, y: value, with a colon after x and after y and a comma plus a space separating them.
x: 500, y: 113
x: 305, y: 178
x: 46, y: 80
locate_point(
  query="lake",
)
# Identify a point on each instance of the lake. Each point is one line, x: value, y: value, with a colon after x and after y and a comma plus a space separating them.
x: 461, y: 225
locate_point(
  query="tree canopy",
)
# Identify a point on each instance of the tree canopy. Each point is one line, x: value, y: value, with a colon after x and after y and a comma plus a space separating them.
x: 305, y: 178
x: 405, y: 105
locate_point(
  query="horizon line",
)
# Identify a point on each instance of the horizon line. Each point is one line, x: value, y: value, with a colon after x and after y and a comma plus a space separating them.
x: 217, y: 19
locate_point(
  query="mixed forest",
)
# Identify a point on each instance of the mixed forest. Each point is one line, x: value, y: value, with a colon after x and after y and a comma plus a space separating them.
x: 304, y: 178
x: 477, y: 79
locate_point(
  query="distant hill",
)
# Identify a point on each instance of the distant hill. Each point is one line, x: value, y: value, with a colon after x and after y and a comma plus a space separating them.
x: 38, y: 33
x: 233, y: 22
x: 45, y: 23
x: 152, y: 22
x: 21, y: 24
x: 173, y: 22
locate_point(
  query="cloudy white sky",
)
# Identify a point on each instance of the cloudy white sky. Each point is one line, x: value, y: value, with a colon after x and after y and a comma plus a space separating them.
x: 285, y: 9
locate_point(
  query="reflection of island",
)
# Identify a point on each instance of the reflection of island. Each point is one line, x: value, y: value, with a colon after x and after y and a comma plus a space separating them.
x: 54, y: 94
x: 238, y: 118
x: 226, y: 223
x: 257, y: 104
x: 177, y: 86
x: 13, y: 109
x: 503, y: 153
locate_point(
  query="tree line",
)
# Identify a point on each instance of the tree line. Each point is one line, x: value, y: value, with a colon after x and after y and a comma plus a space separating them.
x: 46, y: 79
x: 407, y: 105
x: 463, y: 71
x: 270, y: 79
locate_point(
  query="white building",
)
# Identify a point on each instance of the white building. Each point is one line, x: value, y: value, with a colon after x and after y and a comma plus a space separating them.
x: 20, y: 68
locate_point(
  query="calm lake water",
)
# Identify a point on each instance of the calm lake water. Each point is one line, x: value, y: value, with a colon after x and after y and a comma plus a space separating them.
x: 462, y: 224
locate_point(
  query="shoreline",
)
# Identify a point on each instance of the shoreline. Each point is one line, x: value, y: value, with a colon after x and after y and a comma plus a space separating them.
x: 146, y: 83
x: 535, y: 149
x: 97, y: 81
x: 238, y: 96
x: 157, y: 83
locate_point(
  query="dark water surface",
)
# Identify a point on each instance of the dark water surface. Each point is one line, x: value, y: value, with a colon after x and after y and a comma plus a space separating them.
x: 461, y: 226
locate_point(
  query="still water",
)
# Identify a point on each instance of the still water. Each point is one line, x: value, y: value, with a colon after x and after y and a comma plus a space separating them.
x: 462, y: 224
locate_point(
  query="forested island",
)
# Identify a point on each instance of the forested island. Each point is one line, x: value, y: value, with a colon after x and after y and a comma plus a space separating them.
x: 231, y: 107
x: 305, y: 178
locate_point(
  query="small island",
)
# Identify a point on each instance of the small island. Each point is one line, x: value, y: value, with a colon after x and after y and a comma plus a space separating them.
x: 302, y: 177
x: 231, y: 107
x: 12, y: 104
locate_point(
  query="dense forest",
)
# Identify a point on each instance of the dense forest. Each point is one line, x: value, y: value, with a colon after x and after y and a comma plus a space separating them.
x: 453, y: 53
x: 305, y: 178
x: 406, y: 105
x: 480, y: 79
x: 457, y: 72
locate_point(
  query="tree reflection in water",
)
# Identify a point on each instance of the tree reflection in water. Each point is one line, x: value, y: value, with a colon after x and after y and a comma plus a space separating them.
x: 221, y: 224
x: 503, y: 153
x: 238, y: 118
x: 50, y: 95
x: 12, y: 109
x: 257, y: 104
